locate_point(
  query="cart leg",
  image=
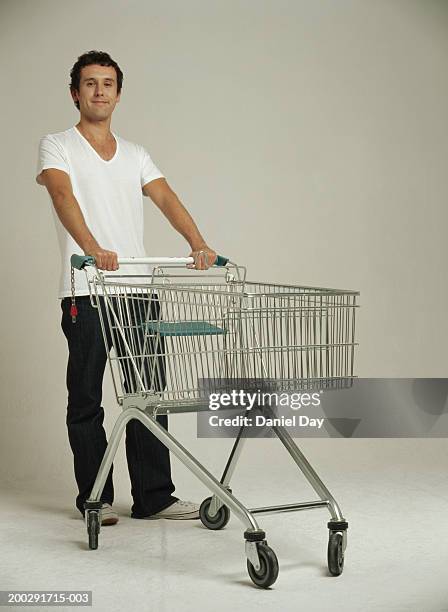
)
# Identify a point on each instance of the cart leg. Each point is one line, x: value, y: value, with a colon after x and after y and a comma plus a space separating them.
x: 109, y: 455
x: 233, y: 458
x: 92, y: 506
x: 337, y: 540
x: 215, y: 503
x: 309, y: 473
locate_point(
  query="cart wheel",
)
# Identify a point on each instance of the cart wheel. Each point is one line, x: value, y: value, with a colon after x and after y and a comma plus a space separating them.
x: 268, y: 572
x: 93, y: 528
x: 216, y: 522
x: 335, y: 553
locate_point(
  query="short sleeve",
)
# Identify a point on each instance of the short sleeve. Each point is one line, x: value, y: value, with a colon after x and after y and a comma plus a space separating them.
x: 149, y: 170
x: 51, y: 155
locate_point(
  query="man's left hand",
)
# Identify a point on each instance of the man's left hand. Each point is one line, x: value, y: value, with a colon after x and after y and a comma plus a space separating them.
x: 204, y: 258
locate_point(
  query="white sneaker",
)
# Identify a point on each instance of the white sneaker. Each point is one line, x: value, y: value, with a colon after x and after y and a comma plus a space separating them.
x: 179, y: 510
x: 108, y: 515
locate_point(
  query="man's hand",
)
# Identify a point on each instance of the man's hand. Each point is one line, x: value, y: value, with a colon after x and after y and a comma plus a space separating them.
x: 104, y: 260
x: 204, y: 258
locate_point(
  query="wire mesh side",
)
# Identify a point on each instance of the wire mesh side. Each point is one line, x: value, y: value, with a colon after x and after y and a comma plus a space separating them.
x: 166, y: 338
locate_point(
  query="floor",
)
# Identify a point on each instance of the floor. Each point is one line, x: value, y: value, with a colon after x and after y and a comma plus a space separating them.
x: 394, y: 495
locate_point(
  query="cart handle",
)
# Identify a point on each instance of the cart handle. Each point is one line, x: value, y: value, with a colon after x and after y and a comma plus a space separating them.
x: 81, y: 261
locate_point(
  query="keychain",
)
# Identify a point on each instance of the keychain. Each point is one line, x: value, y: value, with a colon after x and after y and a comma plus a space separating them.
x: 73, y: 307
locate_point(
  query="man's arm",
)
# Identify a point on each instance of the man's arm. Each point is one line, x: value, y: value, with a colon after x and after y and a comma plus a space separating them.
x: 67, y: 208
x: 167, y: 201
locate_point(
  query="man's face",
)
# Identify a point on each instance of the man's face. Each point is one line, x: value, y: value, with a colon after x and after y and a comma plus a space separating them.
x: 97, y: 95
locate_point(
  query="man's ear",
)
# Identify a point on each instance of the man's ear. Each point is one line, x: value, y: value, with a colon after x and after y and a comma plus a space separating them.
x: 74, y: 95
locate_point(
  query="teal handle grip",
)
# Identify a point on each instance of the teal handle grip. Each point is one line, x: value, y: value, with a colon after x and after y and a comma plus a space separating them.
x: 81, y: 261
x: 221, y: 261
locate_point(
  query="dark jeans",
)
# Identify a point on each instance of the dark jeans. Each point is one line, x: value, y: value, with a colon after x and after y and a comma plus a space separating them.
x: 148, y: 459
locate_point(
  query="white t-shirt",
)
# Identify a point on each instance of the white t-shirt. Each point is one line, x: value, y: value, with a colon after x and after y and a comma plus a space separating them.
x: 109, y: 194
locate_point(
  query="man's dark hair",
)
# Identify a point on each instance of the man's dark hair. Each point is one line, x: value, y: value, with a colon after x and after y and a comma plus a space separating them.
x: 88, y: 59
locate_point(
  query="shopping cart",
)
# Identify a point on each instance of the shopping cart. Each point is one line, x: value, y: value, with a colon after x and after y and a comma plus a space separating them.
x: 173, y: 328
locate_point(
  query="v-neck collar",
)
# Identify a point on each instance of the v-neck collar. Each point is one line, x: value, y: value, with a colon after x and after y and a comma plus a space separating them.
x: 105, y: 161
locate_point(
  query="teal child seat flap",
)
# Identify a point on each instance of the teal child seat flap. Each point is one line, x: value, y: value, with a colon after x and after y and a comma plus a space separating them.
x: 184, y: 328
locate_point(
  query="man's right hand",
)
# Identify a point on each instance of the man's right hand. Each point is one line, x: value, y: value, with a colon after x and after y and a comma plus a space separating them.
x: 104, y: 260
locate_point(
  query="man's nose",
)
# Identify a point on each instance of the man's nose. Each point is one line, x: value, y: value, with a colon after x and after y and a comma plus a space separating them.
x: 98, y: 90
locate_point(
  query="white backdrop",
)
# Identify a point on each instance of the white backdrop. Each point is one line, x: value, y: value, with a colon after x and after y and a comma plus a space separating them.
x: 308, y: 139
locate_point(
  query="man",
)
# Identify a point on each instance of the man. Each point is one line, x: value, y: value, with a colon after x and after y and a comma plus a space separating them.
x: 96, y: 181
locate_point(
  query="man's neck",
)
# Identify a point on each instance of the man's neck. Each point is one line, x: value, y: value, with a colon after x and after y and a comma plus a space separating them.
x: 97, y: 131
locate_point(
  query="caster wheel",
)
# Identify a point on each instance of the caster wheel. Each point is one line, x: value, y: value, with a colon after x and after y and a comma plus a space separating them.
x: 335, y: 553
x: 93, y: 528
x: 268, y: 572
x: 216, y: 522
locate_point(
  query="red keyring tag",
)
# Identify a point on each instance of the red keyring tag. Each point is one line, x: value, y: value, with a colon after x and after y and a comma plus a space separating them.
x: 73, y: 312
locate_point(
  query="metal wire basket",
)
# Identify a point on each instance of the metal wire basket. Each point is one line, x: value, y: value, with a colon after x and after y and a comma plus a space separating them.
x: 169, y: 333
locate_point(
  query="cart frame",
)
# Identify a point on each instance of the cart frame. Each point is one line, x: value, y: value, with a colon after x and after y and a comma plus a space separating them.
x: 142, y: 403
